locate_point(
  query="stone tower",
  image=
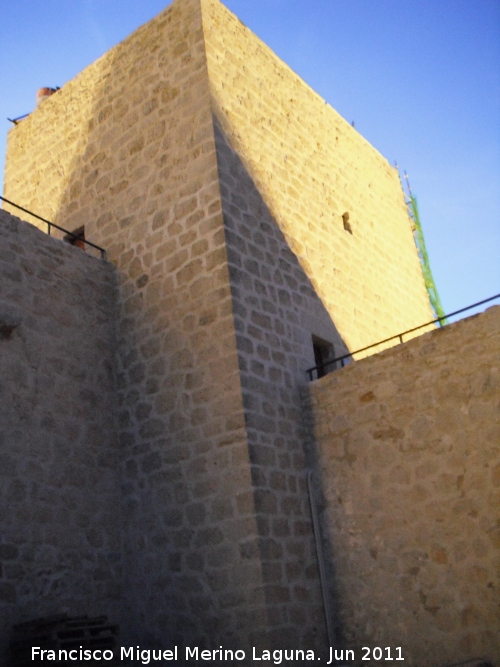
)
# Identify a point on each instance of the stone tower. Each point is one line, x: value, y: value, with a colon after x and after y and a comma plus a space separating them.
x: 250, y: 227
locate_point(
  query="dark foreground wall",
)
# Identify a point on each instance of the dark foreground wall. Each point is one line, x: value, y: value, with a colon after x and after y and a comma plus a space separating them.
x: 59, y: 539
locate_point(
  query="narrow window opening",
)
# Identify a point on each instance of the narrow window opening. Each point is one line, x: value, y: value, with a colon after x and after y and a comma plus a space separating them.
x: 323, y: 353
x: 76, y: 238
x: 347, y: 224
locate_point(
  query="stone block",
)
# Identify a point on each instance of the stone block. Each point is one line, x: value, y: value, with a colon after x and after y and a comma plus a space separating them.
x: 442, y: 491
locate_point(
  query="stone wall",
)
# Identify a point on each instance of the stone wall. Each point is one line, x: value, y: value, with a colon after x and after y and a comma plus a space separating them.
x: 409, y: 456
x: 60, y: 548
x: 276, y: 311
x: 311, y: 167
x: 231, y: 252
x: 127, y: 148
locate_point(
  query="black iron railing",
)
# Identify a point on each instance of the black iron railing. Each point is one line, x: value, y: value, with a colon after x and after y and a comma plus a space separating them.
x: 321, y: 369
x: 49, y: 224
x: 15, y: 121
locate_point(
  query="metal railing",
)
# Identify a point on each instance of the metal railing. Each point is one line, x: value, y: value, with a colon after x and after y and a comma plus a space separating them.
x: 49, y: 224
x: 15, y: 121
x: 321, y: 367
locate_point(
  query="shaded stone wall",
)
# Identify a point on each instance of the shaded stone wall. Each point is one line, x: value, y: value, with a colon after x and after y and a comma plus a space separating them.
x: 136, y: 163
x: 60, y: 548
x: 231, y: 253
x: 409, y: 457
x: 310, y: 167
x: 276, y: 313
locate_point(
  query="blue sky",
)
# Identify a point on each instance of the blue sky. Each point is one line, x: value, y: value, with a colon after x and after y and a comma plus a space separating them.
x: 420, y: 79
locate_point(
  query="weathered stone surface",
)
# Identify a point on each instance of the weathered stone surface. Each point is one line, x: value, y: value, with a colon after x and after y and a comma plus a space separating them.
x: 412, y: 494
x: 218, y: 183
x: 141, y: 175
x: 308, y: 167
x: 59, y: 468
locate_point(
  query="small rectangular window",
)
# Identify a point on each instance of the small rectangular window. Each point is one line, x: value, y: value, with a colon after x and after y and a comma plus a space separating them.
x: 323, y: 353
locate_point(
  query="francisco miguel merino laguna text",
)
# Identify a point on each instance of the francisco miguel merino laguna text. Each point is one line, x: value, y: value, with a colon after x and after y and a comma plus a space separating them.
x: 145, y: 656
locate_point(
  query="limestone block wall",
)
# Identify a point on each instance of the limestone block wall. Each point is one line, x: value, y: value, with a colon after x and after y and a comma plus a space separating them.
x: 127, y: 149
x: 311, y: 167
x: 409, y: 452
x: 231, y: 253
x: 276, y: 312
x: 60, y: 548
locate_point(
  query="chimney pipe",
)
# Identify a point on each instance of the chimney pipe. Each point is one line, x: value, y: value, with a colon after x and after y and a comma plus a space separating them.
x: 43, y: 93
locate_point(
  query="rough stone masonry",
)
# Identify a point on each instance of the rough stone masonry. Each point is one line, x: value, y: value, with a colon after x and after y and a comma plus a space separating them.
x: 219, y: 184
x: 408, y: 444
x: 60, y: 545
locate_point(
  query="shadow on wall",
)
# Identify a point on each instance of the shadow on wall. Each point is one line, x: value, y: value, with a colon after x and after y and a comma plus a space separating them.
x: 138, y: 170
x: 69, y: 185
x: 46, y: 188
x: 60, y: 545
x: 280, y: 321
x: 119, y: 173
